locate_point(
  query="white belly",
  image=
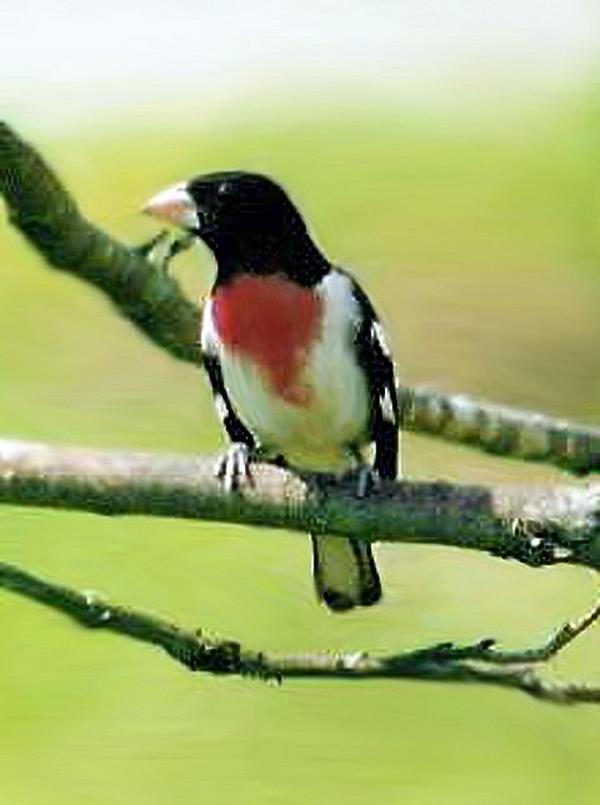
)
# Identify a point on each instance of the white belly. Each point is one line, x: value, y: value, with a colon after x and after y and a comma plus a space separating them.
x: 316, y: 433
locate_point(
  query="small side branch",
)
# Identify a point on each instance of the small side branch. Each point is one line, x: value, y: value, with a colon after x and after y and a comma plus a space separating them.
x: 48, y: 217
x: 534, y: 525
x: 199, y: 652
x: 501, y: 430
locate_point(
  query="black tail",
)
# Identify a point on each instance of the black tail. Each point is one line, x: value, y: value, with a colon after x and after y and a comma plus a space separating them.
x: 345, y: 573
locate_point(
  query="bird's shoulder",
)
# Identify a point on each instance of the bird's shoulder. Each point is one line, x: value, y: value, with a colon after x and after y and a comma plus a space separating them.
x: 369, y: 332
x: 373, y: 353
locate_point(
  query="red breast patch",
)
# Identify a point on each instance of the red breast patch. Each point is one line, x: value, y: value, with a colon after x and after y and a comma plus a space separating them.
x: 273, y: 321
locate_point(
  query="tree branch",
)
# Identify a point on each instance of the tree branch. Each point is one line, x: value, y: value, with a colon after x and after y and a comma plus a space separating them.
x: 501, y: 430
x: 44, y: 212
x: 535, y: 525
x: 481, y: 662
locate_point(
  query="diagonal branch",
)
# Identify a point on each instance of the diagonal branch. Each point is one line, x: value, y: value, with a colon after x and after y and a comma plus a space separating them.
x: 200, y: 652
x: 40, y: 207
x: 535, y: 525
x: 44, y: 212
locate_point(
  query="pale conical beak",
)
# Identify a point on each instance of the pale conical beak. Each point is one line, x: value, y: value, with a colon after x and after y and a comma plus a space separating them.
x: 175, y: 206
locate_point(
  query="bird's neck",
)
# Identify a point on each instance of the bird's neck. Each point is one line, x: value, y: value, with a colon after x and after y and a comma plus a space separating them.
x: 292, y: 254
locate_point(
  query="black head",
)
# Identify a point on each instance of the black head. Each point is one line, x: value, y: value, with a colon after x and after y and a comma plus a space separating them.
x: 242, y: 204
x: 246, y: 219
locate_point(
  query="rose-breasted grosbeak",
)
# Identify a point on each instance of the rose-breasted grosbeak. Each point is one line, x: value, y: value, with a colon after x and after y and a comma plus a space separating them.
x: 294, y: 352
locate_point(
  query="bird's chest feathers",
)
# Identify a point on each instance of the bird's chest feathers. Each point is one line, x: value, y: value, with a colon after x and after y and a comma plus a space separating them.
x: 273, y: 323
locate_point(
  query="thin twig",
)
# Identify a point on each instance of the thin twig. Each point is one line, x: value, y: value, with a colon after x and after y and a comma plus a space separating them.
x: 487, y: 651
x: 198, y: 652
x: 567, y: 633
x: 44, y: 212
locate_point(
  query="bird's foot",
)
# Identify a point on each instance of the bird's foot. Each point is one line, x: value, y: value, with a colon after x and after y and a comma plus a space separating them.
x: 233, y: 466
x: 367, y: 480
x: 147, y: 248
x: 162, y: 248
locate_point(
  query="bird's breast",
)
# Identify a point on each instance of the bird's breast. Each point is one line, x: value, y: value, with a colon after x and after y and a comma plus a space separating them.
x: 272, y: 322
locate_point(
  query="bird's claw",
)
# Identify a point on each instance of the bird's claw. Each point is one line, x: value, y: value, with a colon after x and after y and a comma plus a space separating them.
x: 368, y: 479
x: 161, y: 249
x: 234, y: 466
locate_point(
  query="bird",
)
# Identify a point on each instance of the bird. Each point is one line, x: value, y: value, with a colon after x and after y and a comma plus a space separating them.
x: 297, y: 358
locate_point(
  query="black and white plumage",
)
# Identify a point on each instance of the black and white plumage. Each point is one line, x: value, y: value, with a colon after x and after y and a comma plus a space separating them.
x: 295, y: 354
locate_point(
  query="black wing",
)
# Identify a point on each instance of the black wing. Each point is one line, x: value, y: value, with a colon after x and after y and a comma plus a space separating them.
x: 236, y: 430
x: 374, y: 357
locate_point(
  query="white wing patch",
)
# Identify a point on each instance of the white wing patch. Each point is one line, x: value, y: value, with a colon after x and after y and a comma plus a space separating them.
x: 380, y: 336
x: 221, y: 407
x: 385, y: 400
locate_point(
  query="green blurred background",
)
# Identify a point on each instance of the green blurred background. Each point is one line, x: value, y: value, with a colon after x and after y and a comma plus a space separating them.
x: 473, y: 223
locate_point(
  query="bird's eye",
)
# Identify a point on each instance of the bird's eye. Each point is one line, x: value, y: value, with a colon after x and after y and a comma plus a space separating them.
x: 223, y: 189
